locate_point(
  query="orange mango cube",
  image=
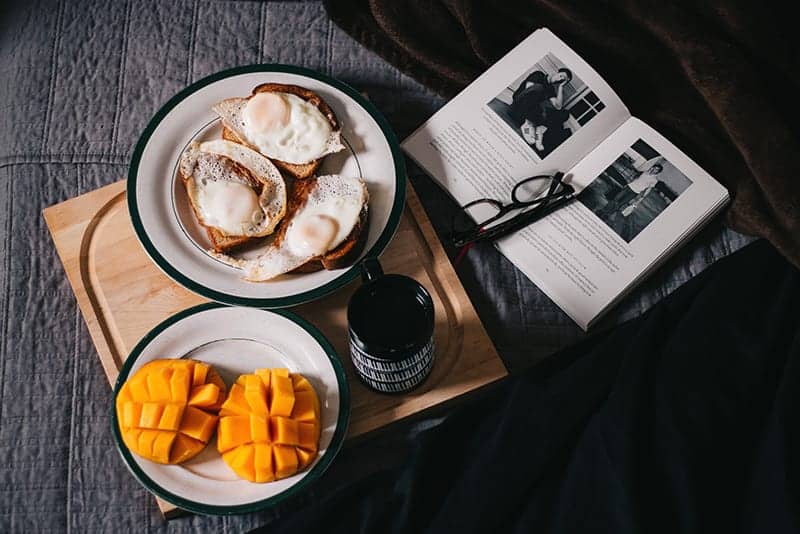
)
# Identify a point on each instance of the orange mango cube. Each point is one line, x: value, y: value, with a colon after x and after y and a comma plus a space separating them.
x: 171, y: 417
x: 264, y: 470
x: 184, y: 448
x: 198, y: 424
x: 304, y: 458
x: 138, y: 388
x: 158, y: 385
x: 236, y: 403
x: 233, y: 431
x: 264, y: 374
x: 179, y: 385
x: 284, y: 431
x: 306, y: 406
x: 242, y: 461
x: 281, y: 396
x: 285, y: 460
x: 151, y: 415
x: 205, y: 395
x: 131, y: 414
x: 280, y: 371
x: 200, y: 374
x: 259, y: 428
x: 162, y: 446
x: 308, y: 435
x: 146, y: 440
x: 256, y: 394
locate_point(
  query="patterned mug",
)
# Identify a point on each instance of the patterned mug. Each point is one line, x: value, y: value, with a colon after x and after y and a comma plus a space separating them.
x: 390, y: 321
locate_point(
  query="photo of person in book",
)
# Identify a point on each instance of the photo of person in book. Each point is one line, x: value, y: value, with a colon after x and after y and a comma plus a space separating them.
x: 634, y: 190
x: 546, y: 105
x: 629, y: 196
x: 538, y: 104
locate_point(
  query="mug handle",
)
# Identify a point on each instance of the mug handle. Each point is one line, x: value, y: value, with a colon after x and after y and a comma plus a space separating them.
x: 370, y: 270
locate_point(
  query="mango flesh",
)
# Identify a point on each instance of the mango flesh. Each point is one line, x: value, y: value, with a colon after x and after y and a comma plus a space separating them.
x: 269, y: 425
x: 167, y: 411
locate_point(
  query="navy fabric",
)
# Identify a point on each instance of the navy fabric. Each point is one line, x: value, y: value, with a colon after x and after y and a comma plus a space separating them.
x: 78, y: 83
x: 683, y: 420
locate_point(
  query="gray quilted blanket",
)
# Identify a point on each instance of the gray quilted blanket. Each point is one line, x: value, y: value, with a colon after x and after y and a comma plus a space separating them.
x: 78, y: 82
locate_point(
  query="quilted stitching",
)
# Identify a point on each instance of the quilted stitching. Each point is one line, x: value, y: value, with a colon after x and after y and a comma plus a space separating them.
x: 79, y: 82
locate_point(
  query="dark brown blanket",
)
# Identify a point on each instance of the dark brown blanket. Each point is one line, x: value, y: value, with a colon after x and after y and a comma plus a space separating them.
x: 720, y: 79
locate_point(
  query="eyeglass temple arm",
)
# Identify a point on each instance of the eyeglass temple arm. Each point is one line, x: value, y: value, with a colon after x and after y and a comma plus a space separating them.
x: 518, y: 222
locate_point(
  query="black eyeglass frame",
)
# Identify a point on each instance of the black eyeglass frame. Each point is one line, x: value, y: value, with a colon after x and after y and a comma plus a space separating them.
x: 558, y: 194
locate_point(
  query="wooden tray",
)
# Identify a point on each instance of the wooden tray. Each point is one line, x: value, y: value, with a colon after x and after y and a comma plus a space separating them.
x: 122, y: 295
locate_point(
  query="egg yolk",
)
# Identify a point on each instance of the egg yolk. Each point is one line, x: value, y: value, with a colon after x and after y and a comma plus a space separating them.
x: 230, y: 206
x: 266, y: 111
x: 313, y: 235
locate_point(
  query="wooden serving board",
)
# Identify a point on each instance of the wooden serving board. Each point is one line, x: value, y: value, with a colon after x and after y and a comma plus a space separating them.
x: 122, y: 295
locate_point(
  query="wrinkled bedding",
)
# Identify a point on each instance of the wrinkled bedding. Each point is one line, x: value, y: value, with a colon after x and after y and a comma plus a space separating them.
x: 78, y: 82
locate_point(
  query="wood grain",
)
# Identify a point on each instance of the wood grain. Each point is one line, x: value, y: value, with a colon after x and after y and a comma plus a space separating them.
x: 122, y: 295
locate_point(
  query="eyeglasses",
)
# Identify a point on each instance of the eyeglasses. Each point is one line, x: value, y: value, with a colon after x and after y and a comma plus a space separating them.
x: 526, y: 194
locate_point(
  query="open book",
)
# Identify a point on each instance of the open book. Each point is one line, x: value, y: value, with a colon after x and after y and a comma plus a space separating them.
x: 542, y: 109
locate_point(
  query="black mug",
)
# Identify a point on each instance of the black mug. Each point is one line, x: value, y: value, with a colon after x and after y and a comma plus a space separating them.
x: 390, y: 321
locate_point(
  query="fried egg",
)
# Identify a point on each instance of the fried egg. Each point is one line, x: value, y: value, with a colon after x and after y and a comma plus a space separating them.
x: 327, y: 216
x: 233, y: 188
x: 281, y: 126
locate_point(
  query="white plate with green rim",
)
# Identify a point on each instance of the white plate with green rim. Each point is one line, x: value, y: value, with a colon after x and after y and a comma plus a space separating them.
x: 170, y: 235
x: 237, y: 340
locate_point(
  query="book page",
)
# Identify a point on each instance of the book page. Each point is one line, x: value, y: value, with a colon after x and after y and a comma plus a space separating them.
x: 540, y: 109
x: 638, y: 197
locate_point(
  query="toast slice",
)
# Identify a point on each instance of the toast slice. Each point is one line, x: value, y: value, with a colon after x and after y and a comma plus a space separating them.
x: 343, y: 255
x: 220, y: 241
x: 298, y: 171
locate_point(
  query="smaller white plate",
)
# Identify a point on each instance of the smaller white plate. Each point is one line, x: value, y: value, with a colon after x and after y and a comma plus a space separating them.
x: 237, y: 341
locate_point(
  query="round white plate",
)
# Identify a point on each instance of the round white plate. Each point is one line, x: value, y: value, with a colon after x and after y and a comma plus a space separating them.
x: 162, y: 217
x: 237, y: 341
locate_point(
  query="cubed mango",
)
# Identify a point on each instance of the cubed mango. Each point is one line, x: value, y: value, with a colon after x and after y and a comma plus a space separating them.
x: 204, y: 396
x: 284, y: 431
x: 152, y: 413
x: 281, y: 396
x: 282, y: 435
x: 198, y: 424
x: 259, y: 428
x: 234, y: 430
x: 284, y: 459
x: 256, y: 394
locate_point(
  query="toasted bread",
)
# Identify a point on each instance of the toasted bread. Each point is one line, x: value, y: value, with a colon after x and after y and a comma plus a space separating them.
x: 226, y: 243
x: 299, y: 171
x: 220, y: 241
x: 343, y: 255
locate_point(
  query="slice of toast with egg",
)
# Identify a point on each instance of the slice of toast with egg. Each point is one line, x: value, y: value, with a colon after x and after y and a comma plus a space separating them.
x: 236, y: 194
x: 291, y: 125
x: 346, y: 253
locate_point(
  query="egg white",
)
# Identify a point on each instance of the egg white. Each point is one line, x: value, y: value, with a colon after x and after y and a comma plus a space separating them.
x: 226, y: 201
x: 307, y: 136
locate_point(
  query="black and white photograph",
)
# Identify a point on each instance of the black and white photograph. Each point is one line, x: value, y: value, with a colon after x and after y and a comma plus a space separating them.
x: 546, y: 105
x: 634, y: 190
